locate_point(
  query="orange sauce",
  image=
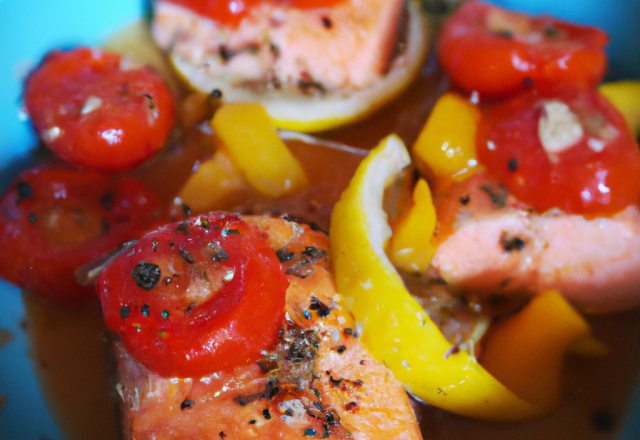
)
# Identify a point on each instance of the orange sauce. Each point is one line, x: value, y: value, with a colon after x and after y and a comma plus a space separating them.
x: 71, y: 355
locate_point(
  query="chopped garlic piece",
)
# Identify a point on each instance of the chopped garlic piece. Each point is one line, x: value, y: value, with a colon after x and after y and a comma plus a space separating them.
x: 558, y: 127
x: 92, y: 103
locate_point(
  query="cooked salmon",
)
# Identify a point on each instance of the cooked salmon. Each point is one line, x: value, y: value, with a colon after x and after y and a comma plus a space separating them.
x: 345, y: 47
x: 317, y: 381
x: 493, y: 245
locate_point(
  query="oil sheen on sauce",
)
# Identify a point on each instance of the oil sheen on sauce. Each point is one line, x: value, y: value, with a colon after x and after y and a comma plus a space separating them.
x: 70, y: 348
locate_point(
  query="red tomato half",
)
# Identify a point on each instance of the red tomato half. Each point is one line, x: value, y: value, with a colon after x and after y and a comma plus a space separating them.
x: 569, y: 149
x: 54, y: 220
x: 486, y: 49
x: 197, y: 296
x: 95, y: 109
x: 231, y: 12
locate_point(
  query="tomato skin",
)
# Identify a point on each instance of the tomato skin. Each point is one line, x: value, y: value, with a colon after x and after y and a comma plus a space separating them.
x: 188, y: 321
x: 578, y: 179
x: 93, y: 110
x: 54, y: 220
x: 540, y: 52
x: 231, y: 12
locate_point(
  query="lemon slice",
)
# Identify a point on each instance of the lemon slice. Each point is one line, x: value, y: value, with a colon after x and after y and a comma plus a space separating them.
x: 395, y: 328
x: 310, y: 113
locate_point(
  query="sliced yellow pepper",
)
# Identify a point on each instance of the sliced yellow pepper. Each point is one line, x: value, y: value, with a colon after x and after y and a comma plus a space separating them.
x: 410, y: 247
x: 255, y: 148
x: 625, y: 96
x: 210, y: 186
x: 526, y: 352
x: 446, y: 145
x: 395, y: 328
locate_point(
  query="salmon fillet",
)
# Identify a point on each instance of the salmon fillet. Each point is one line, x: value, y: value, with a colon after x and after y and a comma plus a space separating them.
x: 493, y: 245
x: 318, y: 381
x: 310, y: 51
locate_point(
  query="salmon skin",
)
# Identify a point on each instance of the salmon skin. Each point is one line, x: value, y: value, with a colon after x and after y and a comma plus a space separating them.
x: 276, y: 46
x: 490, y: 244
x: 318, y: 381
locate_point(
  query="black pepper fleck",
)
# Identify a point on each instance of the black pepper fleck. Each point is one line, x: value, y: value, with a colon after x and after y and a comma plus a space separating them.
x: 183, y: 228
x: 528, y: 82
x: 510, y: 244
x: 24, y: 192
x: 504, y: 34
x: 187, y: 404
x: 216, y: 93
x: 146, y: 275
x: 464, y: 200
x: 326, y: 22
x: 145, y: 310
x: 124, y: 312
x: 186, y: 255
x: 513, y: 165
x: 283, y: 255
x: 266, y: 414
x: 341, y: 349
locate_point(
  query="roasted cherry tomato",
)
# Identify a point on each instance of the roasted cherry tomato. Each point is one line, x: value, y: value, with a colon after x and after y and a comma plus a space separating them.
x: 97, y: 109
x: 567, y: 149
x: 231, y: 12
x: 195, y: 297
x: 486, y: 49
x: 54, y: 220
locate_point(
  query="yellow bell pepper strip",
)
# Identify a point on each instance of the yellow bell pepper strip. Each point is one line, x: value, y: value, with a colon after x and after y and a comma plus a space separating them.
x: 395, y: 328
x: 211, y: 185
x: 446, y: 146
x: 526, y: 352
x: 410, y: 248
x: 254, y: 147
x: 625, y: 96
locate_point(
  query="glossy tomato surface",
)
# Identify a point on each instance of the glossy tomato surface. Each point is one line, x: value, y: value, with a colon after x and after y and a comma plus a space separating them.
x: 496, y: 52
x: 231, y: 12
x: 52, y: 221
x: 197, y: 296
x: 595, y: 171
x: 97, y: 109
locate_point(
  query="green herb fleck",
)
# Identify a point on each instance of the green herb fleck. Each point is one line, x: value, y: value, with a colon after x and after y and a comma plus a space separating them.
x: 124, y: 312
